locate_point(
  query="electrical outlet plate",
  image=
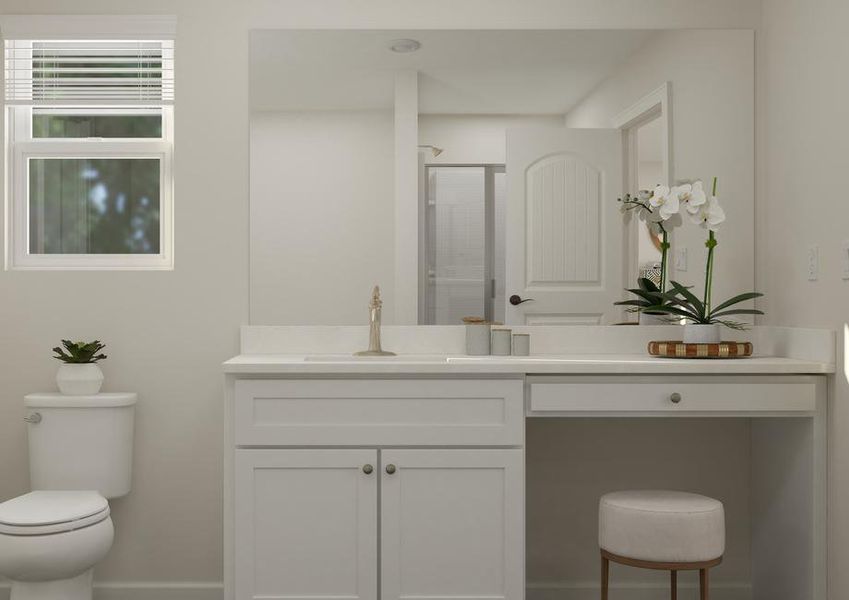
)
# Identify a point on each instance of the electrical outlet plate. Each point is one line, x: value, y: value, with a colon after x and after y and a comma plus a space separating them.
x: 813, y: 263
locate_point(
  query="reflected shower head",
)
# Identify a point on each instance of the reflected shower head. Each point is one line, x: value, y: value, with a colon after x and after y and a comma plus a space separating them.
x: 433, y: 149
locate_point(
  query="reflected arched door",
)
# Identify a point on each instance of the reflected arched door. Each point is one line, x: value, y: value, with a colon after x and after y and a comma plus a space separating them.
x: 564, y: 230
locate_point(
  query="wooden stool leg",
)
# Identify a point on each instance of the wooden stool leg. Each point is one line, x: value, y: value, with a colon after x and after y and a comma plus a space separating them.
x: 673, y: 580
x: 605, y: 572
x: 703, y: 584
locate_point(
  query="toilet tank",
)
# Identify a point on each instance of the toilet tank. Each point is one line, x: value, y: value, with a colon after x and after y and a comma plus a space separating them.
x: 81, y: 442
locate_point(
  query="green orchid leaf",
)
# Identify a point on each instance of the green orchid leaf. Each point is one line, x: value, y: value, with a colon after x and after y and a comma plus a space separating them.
x: 647, y: 285
x: 737, y: 300
x: 632, y: 303
x: 690, y: 296
x: 651, y: 297
x: 673, y: 310
x: 737, y: 311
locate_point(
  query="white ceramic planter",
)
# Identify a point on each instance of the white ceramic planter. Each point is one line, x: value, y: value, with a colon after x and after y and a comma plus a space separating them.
x: 647, y: 319
x: 79, y: 379
x: 702, y: 334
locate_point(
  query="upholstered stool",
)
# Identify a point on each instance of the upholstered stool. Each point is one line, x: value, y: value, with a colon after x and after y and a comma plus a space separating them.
x: 669, y: 531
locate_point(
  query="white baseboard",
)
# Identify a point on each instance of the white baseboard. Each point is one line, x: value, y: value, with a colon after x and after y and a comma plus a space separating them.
x: 136, y: 590
x: 575, y: 590
x: 566, y: 590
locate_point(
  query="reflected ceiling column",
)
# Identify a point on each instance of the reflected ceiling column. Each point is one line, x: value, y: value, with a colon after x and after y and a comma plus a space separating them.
x: 406, y: 198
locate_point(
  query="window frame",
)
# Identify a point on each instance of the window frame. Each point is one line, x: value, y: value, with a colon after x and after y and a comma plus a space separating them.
x: 22, y: 146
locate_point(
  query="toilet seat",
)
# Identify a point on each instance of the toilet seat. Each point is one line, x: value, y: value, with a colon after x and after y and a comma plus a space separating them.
x: 47, y: 512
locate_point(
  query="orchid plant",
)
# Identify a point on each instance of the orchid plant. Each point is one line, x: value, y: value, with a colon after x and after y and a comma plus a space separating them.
x: 661, y: 206
x: 660, y: 210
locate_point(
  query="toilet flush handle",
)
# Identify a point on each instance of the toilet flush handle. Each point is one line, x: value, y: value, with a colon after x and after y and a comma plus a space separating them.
x: 33, y: 418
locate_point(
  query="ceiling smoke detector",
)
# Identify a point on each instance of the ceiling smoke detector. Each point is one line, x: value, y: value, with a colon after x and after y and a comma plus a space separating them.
x: 404, y: 46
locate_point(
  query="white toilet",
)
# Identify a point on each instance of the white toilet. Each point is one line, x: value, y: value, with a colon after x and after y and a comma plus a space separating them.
x: 80, y: 455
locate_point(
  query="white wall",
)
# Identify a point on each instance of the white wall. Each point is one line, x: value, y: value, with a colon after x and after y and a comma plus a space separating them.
x: 804, y: 149
x: 475, y: 139
x: 322, y: 226
x: 712, y: 81
x: 168, y: 332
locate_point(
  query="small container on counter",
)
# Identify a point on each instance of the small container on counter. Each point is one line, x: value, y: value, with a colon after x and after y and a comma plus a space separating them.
x: 478, y: 333
x: 521, y: 344
x: 501, y: 342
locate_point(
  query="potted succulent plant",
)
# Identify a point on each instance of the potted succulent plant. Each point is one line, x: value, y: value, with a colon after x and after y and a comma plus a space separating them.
x: 79, y: 374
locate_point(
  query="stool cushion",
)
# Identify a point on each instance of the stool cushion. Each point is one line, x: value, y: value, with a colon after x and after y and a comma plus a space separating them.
x: 661, y: 526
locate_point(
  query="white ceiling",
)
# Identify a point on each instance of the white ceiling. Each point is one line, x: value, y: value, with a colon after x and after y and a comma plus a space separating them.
x: 461, y: 72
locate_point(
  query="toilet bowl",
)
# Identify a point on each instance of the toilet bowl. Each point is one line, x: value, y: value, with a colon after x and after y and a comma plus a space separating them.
x: 51, y: 540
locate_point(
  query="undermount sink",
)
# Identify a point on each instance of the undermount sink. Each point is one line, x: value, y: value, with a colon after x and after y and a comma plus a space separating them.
x: 333, y: 358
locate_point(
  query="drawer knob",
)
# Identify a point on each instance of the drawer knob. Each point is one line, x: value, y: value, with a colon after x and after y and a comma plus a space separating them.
x: 368, y: 469
x: 34, y: 418
x: 675, y: 397
x: 390, y: 469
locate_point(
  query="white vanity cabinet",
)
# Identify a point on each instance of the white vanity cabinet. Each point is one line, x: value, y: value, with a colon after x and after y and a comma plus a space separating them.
x: 452, y: 524
x: 379, y: 488
x: 306, y: 524
x: 405, y: 480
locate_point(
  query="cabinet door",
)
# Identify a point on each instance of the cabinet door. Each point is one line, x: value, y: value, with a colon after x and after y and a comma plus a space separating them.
x: 452, y: 524
x: 306, y: 524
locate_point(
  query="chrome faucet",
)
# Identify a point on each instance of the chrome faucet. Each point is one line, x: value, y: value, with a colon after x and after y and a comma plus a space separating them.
x: 374, y: 348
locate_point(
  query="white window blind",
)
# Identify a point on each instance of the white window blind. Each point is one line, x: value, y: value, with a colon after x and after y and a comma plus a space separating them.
x: 89, y: 72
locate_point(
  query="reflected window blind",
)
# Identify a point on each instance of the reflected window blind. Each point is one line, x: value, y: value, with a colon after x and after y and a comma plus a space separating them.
x: 86, y: 72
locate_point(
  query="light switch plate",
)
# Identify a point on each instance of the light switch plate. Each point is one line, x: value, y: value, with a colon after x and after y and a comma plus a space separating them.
x: 844, y: 259
x: 813, y: 263
x: 681, y: 259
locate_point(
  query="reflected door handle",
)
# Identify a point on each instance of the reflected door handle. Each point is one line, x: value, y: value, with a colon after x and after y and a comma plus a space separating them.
x: 516, y: 300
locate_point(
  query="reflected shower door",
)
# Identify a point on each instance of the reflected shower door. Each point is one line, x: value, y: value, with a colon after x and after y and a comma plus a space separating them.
x: 459, y: 256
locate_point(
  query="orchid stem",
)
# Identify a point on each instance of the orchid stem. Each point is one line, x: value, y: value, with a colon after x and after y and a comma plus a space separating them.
x: 711, y: 244
x: 664, y: 251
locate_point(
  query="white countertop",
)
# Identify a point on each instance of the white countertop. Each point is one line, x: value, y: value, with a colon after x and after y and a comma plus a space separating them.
x: 572, y: 364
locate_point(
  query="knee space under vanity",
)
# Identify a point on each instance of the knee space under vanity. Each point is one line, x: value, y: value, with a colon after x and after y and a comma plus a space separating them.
x: 761, y: 469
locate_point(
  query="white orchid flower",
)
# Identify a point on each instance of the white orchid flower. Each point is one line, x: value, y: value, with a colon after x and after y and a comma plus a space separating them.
x: 691, y: 195
x: 709, y: 215
x: 650, y: 216
x: 644, y: 195
x: 659, y: 194
x: 664, y: 202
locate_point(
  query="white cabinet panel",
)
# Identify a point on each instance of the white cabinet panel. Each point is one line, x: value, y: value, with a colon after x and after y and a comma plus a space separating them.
x: 452, y: 524
x: 377, y: 412
x: 306, y: 525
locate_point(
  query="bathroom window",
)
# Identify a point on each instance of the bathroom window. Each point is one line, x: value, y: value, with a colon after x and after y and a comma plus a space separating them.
x: 90, y: 153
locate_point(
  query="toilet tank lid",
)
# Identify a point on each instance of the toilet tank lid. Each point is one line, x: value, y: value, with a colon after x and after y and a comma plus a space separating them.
x: 48, y: 507
x: 57, y: 400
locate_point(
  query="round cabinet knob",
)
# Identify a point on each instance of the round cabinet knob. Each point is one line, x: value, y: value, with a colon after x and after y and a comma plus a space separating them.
x: 368, y: 469
x: 675, y: 398
x: 33, y: 418
x: 390, y: 469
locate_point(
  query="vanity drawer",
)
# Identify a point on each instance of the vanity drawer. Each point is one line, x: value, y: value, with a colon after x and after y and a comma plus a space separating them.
x: 670, y: 395
x: 376, y: 412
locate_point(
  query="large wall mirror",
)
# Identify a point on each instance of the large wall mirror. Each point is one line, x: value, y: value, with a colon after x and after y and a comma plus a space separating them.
x: 460, y: 169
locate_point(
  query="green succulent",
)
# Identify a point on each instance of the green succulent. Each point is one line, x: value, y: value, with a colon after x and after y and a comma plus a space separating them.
x: 80, y: 352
